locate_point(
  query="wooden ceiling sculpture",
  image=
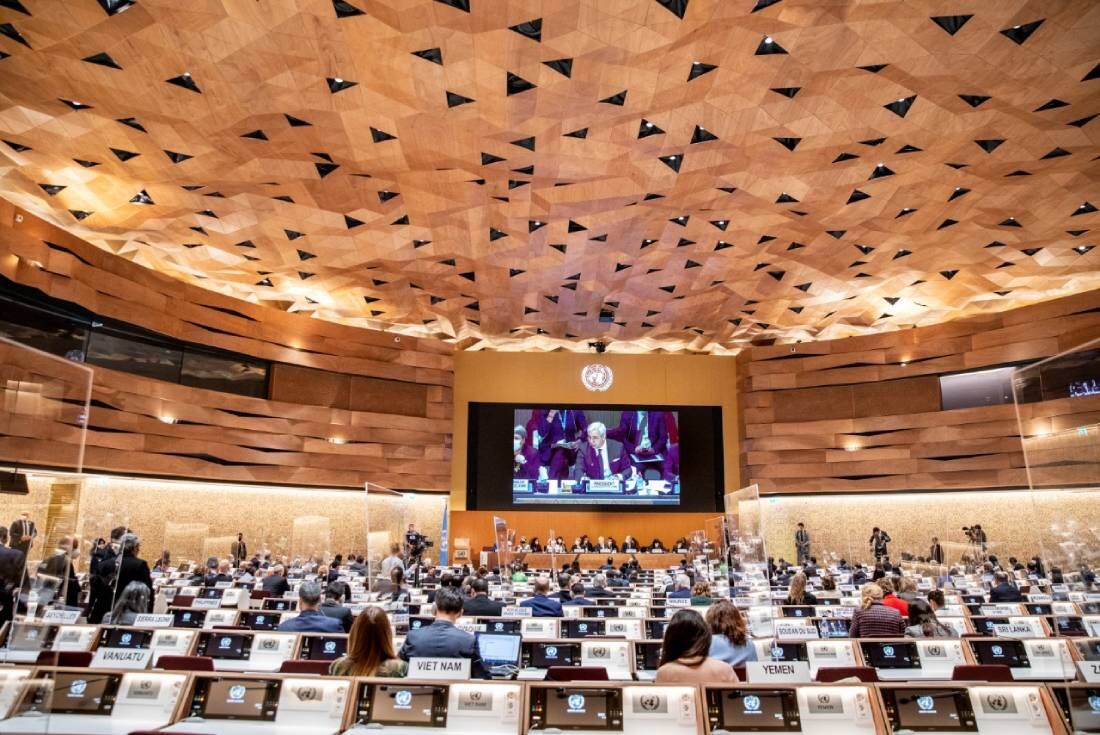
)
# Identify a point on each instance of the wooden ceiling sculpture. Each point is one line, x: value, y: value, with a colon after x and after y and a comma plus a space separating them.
x: 706, y: 173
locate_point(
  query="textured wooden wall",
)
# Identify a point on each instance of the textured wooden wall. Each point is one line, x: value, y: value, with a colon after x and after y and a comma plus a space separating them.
x: 386, y: 420
x: 864, y: 413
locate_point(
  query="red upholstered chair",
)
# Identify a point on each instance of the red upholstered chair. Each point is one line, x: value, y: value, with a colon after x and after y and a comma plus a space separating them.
x: 71, y: 659
x: 577, y: 673
x: 982, y: 672
x: 258, y: 594
x: 185, y: 663
x: 830, y: 674
x: 742, y: 672
x: 292, y: 666
x: 182, y: 600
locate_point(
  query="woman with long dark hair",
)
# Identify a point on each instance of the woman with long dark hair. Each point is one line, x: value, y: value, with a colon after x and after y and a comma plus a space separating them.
x: 685, y: 652
x: 370, y: 648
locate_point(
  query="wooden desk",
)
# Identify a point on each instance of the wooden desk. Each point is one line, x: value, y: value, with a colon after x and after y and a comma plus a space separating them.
x: 594, y: 561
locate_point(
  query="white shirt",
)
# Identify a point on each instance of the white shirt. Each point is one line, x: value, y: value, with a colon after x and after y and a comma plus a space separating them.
x: 603, y: 460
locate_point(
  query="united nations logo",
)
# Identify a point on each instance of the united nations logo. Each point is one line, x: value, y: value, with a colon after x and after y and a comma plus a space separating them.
x: 77, y: 687
x: 498, y: 626
x: 330, y: 646
x: 925, y: 704
x: 997, y: 702
x: 575, y: 702
x: 601, y: 652
x: 551, y: 652
x: 236, y: 692
x: 475, y: 696
x: 307, y: 694
x: 583, y: 627
x: 997, y: 650
x: 225, y: 642
x: 649, y: 702
x: 1094, y: 703
x: 777, y: 652
x: 126, y: 638
x: 752, y: 703
x: 269, y: 644
x: 260, y: 619
x: 596, y: 377
x: 824, y: 699
x: 888, y: 651
x: 403, y: 698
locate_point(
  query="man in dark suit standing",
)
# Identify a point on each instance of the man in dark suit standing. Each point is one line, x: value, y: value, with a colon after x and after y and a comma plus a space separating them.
x: 12, y: 565
x: 441, y: 639
x: 480, y: 605
x: 238, y: 550
x: 22, y: 533
x: 561, y: 431
x: 132, y: 568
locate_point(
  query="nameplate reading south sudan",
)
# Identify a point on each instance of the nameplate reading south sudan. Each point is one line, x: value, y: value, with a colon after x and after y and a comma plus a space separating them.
x: 795, y: 630
x: 772, y: 672
x: 439, y: 668
x: 121, y: 658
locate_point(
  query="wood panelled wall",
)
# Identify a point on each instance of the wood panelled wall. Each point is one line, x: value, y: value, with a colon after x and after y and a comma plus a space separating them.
x: 477, y: 525
x: 393, y: 434
x: 864, y: 413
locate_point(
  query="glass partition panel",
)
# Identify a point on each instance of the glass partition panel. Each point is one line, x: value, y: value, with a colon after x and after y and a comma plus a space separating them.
x: 27, y: 703
x: 1058, y: 409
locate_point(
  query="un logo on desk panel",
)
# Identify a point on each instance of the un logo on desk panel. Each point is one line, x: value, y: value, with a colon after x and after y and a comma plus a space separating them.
x: 126, y: 638
x: 77, y: 687
x: 925, y: 704
x: 236, y: 693
x: 551, y: 652
x: 575, y: 702
x: 650, y: 702
x: 997, y: 702
x: 307, y: 694
x: 997, y: 650
x: 752, y: 703
x: 330, y: 646
x: 596, y: 377
x: 403, y: 698
x: 1094, y: 703
x: 888, y: 651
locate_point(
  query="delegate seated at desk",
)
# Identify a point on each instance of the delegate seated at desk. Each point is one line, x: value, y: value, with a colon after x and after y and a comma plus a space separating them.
x: 480, y: 605
x: 441, y: 639
x: 642, y: 433
x: 560, y: 430
x: 598, y: 463
x: 541, y: 605
x: 310, y: 618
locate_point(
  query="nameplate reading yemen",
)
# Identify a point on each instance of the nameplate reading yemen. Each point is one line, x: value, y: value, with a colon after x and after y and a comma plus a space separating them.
x: 153, y: 621
x: 771, y: 672
x: 439, y: 668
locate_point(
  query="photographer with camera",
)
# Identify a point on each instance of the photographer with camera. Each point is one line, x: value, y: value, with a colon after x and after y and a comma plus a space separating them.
x: 978, y: 540
x: 415, y: 544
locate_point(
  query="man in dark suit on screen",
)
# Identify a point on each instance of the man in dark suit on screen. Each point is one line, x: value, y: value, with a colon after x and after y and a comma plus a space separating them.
x: 642, y: 433
x: 561, y: 430
x: 599, y: 464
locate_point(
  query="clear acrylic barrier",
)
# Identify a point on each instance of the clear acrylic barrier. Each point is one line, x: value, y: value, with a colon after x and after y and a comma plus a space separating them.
x: 26, y: 703
x: 745, y: 546
x: 1058, y: 409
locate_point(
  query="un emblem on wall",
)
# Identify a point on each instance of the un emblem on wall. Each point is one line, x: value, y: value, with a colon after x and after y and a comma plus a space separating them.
x: 597, y: 377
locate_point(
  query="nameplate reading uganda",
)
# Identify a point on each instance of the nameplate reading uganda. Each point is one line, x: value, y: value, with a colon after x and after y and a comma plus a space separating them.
x: 439, y: 668
x: 776, y: 672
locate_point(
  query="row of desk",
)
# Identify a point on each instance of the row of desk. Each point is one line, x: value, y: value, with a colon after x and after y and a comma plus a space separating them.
x: 60, y: 701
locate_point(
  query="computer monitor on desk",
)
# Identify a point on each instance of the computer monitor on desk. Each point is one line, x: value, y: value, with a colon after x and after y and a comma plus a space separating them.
x: 316, y: 647
x: 996, y: 709
x: 575, y: 708
x: 245, y: 650
x: 475, y: 708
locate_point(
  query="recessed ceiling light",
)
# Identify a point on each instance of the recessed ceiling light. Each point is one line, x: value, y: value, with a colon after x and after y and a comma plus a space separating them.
x: 768, y: 39
x: 338, y: 80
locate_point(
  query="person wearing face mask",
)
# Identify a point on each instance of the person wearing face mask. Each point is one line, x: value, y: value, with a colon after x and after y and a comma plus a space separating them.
x: 525, y: 458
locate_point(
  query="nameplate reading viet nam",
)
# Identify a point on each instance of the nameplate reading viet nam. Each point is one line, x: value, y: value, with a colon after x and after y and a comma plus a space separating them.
x: 1090, y: 670
x: 778, y: 672
x: 153, y: 621
x: 122, y: 658
x: 63, y: 617
x: 439, y: 668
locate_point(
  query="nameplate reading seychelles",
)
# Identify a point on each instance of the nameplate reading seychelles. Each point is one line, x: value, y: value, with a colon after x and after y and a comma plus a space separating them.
x: 439, y: 668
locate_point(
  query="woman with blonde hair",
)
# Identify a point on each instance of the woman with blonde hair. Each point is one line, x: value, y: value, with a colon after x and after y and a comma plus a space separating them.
x: 700, y: 594
x: 370, y: 648
x: 798, y: 594
x: 874, y: 619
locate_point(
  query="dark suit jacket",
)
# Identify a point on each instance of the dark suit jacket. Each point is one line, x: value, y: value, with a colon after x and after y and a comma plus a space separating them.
x: 336, y: 610
x: 593, y: 465
x: 482, y: 605
x: 543, y: 606
x: 276, y: 584
x: 133, y: 569
x: 529, y: 470
x: 441, y: 639
x: 15, y: 533
x: 311, y: 621
x: 1005, y: 593
x: 12, y: 564
x: 552, y: 432
x: 627, y: 432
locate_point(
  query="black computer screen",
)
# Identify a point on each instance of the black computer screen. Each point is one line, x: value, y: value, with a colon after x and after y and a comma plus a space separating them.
x: 759, y: 710
x: 323, y: 648
x: 1084, y: 709
x: 930, y: 710
x: 576, y: 709
x: 226, y: 645
x: 126, y: 638
x: 1001, y: 651
x: 545, y: 655
x: 899, y: 655
x: 408, y: 705
x: 83, y: 693
x: 238, y: 699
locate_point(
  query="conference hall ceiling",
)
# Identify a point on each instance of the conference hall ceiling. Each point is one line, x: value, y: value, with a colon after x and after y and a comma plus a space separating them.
x: 708, y: 173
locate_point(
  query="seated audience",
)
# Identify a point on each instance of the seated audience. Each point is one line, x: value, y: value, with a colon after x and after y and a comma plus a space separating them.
x: 630, y: 546
x: 700, y: 594
x: 331, y: 607
x: 276, y: 582
x: 480, y: 604
x: 798, y: 594
x: 656, y: 547
x: 599, y: 587
x: 874, y: 619
x: 924, y: 624
x: 543, y: 606
x: 370, y: 648
x: 1003, y: 590
x: 565, y: 584
x: 441, y: 639
x: 133, y: 601
x: 890, y: 599
x: 685, y: 653
x: 310, y: 619
x: 730, y: 640
x: 681, y: 587
x: 578, y: 597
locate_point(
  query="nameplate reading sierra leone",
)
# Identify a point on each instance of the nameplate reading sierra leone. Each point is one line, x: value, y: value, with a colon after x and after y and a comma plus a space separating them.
x: 153, y: 621
x: 439, y: 668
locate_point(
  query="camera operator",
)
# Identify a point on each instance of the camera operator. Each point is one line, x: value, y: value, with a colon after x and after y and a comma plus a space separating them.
x: 976, y: 536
